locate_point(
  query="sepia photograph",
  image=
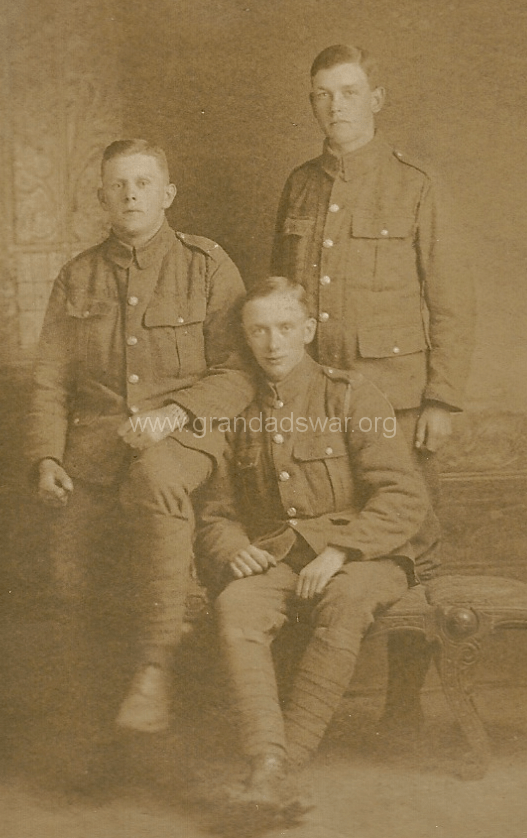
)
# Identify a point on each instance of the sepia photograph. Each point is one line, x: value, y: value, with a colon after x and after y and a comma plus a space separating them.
x: 263, y: 401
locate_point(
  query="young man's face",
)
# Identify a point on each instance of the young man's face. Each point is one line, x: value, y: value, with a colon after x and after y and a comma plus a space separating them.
x: 135, y: 193
x: 277, y: 329
x: 345, y: 106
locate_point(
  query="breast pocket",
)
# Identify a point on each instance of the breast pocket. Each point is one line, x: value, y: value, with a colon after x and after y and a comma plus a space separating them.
x: 176, y: 341
x: 95, y: 320
x: 297, y: 236
x: 385, y: 246
x: 324, y: 461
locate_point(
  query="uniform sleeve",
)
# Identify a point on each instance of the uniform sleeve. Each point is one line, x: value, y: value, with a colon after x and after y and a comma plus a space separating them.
x: 392, y: 499
x: 53, y: 380
x: 228, y: 387
x: 279, y: 265
x: 449, y: 296
x: 220, y: 533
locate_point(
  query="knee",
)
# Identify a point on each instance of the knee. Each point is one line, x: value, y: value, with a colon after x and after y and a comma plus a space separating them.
x: 152, y: 484
x: 239, y: 617
x: 345, y: 607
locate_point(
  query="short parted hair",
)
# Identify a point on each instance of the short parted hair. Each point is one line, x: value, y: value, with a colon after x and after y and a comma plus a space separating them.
x: 125, y: 148
x: 277, y: 285
x: 347, y: 54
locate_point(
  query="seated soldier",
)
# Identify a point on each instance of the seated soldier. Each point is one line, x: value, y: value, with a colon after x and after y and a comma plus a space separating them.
x: 131, y: 327
x: 316, y: 502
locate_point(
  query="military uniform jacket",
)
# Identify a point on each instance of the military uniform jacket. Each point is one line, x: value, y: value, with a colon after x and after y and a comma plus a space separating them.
x: 314, y: 458
x: 380, y: 259
x: 129, y: 329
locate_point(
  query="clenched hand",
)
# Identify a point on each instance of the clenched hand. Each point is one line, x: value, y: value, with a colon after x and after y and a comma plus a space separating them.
x: 54, y: 484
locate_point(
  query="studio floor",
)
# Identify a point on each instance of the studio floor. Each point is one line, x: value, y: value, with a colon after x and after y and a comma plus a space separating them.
x: 361, y: 785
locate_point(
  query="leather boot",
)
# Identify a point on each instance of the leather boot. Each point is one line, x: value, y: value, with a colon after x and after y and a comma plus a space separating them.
x: 146, y: 708
x: 271, y: 796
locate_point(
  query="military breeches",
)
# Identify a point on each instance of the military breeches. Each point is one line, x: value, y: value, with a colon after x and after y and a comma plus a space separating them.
x: 152, y: 512
x: 251, y: 612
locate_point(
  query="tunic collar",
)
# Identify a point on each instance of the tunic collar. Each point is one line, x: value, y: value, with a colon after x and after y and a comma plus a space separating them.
x: 348, y: 166
x: 284, y: 393
x: 153, y: 251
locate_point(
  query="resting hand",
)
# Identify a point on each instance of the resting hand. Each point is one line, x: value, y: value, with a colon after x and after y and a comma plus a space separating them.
x: 54, y: 483
x: 250, y: 561
x: 314, y: 577
x: 434, y: 426
x: 144, y: 429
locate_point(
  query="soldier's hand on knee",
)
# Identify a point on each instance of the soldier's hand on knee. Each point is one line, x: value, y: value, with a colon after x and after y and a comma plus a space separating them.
x: 54, y: 483
x: 250, y: 561
x: 314, y: 577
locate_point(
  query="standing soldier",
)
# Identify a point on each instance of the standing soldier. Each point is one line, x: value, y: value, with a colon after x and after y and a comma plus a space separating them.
x: 362, y: 229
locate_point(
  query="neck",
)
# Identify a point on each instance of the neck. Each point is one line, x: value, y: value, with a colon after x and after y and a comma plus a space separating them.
x: 139, y: 240
x: 344, y: 148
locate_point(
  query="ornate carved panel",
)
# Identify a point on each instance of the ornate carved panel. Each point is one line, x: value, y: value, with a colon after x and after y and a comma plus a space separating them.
x: 62, y: 105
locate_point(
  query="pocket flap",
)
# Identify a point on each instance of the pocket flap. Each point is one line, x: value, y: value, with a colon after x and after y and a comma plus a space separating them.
x: 85, y: 307
x: 388, y: 226
x: 164, y: 315
x: 298, y: 226
x: 320, y: 447
x: 390, y: 342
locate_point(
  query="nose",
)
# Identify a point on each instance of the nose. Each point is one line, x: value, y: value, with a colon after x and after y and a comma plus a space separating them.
x: 273, y: 340
x: 129, y: 192
x: 336, y: 102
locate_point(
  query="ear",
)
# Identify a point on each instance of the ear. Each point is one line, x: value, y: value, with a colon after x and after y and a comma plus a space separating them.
x: 102, y: 200
x: 378, y: 97
x: 309, y: 330
x: 170, y: 194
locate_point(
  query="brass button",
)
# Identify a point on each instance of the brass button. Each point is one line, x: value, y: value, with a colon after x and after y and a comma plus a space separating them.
x: 85, y: 313
x: 133, y: 408
x: 132, y: 301
x: 325, y: 280
x: 76, y: 420
x: 180, y: 320
x: 396, y: 350
x: 278, y: 438
x: 329, y: 450
x: 384, y: 232
x: 291, y: 511
x: 131, y: 341
x: 278, y: 404
x: 323, y: 316
x: 334, y: 207
x: 293, y: 522
x: 327, y: 243
x: 133, y: 379
x: 283, y: 476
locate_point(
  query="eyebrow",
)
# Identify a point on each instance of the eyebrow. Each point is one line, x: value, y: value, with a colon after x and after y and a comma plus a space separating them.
x: 344, y: 87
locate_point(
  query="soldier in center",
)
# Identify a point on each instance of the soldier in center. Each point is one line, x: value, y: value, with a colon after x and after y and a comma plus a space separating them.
x: 317, y: 502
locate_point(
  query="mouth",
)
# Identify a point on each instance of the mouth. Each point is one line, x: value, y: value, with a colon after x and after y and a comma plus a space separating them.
x: 277, y: 360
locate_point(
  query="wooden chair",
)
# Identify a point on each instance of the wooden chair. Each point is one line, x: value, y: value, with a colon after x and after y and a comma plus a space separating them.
x: 456, y: 615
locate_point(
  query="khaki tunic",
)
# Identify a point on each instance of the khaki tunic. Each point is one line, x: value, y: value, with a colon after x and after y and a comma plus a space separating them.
x: 377, y: 252
x: 130, y: 329
x: 314, y: 458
